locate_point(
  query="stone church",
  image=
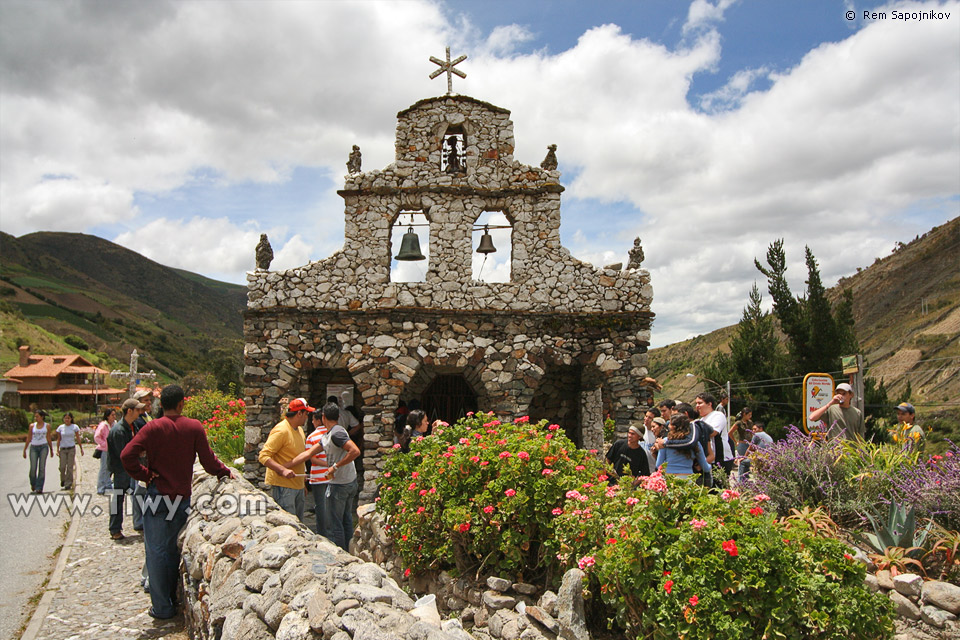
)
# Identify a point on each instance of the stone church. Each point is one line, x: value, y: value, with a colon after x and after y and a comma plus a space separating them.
x: 561, y: 340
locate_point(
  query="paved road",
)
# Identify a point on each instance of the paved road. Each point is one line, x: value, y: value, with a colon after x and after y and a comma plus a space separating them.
x: 26, y: 542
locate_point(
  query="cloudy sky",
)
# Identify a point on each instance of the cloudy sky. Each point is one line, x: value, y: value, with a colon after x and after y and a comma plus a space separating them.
x: 709, y: 129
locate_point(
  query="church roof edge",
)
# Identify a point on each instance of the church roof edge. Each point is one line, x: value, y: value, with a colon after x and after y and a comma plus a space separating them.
x: 456, y: 98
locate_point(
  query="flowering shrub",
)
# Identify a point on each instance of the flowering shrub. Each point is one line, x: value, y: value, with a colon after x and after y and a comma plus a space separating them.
x: 223, y: 417
x: 850, y: 479
x: 484, y: 495
x: 673, y: 560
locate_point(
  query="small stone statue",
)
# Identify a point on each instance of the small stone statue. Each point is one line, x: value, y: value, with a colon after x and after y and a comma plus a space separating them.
x: 353, y: 163
x: 550, y: 162
x: 453, y: 156
x: 636, y: 255
x: 264, y: 252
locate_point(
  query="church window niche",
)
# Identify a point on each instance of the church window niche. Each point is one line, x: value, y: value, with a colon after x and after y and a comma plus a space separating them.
x: 410, y: 247
x: 453, y: 149
x: 492, y: 256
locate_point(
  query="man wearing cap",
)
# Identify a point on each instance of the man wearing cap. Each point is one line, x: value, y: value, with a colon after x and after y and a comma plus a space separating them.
x: 906, y: 432
x: 839, y: 416
x: 626, y: 453
x: 121, y: 433
x: 285, y: 442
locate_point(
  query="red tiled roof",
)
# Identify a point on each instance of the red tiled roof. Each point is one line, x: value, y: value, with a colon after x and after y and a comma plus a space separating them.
x: 73, y: 391
x: 49, y: 367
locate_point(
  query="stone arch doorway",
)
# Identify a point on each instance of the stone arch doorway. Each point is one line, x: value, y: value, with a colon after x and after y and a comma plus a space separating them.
x: 448, y: 397
x: 557, y: 400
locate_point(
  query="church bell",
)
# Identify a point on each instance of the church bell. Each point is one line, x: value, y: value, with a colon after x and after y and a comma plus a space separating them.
x: 486, y: 242
x: 410, y: 247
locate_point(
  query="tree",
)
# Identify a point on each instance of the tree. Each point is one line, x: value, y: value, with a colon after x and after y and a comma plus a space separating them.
x: 755, y: 354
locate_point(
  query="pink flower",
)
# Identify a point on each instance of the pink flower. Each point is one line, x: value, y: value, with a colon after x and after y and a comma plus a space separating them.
x: 492, y: 423
x: 730, y: 546
x: 668, y: 586
x: 478, y: 436
x: 546, y: 472
x: 655, y: 482
x: 698, y: 524
x: 421, y: 509
x: 761, y: 497
x: 521, y: 420
x: 464, y: 441
x: 586, y: 561
x: 632, y: 501
x: 579, y: 467
x: 432, y: 490
x: 558, y: 511
x: 694, y: 600
x: 505, y: 454
x: 501, y: 442
x: 415, y: 474
x: 554, y: 427
x: 729, y: 494
x: 423, y: 492
x: 604, y: 477
x: 397, y: 446
x: 523, y: 455
x: 484, y: 463
x: 413, y: 485
x: 573, y: 494
x: 474, y: 459
x: 488, y: 509
x: 510, y: 493
x: 549, y: 436
x: 387, y: 474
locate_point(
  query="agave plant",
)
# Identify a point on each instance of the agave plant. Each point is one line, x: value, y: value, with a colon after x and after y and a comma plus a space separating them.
x: 945, y: 551
x: 899, y: 531
x: 897, y: 560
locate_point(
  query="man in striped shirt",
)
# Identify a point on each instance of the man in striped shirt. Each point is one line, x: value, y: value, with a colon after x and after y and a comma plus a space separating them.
x: 318, y: 479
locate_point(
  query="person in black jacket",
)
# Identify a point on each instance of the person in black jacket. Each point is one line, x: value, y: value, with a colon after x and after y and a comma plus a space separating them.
x: 120, y: 434
x: 628, y: 457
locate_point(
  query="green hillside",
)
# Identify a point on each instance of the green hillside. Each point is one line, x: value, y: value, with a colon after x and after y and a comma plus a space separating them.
x: 907, y: 315
x: 116, y: 300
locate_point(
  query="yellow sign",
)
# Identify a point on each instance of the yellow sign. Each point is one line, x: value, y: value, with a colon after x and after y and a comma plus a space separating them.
x: 817, y: 391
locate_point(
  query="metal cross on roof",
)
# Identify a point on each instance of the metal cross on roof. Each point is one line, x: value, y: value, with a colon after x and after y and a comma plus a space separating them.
x: 132, y: 375
x: 446, y: 66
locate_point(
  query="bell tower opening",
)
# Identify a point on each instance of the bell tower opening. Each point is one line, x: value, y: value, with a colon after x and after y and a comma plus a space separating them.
x: 410, y: 257
x: 453, y: 148
x: 492, y: 247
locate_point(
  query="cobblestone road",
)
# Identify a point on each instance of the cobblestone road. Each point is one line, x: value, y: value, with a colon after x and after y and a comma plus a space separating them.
x: 99, y: 595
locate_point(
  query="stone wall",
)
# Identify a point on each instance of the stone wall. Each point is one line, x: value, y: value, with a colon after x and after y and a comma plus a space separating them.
x: 342, y: 318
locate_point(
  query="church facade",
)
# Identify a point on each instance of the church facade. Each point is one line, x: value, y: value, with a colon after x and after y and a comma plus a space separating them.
x: 561, y: 340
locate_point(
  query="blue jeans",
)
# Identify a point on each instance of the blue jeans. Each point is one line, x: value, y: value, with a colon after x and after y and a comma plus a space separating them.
x: 38, y: 466
x: 139, y: 495
x: 319, y: 493
x: 163, y: 518
x: 290, y: 500
x: 103, y: 478
x: 744, y: 469
x: 339, y: 519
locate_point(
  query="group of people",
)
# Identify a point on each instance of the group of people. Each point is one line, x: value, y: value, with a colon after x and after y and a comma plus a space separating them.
x: 150, y: 457
x: 333, y: 449
x: 39, y: 443
x: 687, y: 440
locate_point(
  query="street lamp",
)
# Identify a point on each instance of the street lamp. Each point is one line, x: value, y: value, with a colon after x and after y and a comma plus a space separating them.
x: 729, y: 397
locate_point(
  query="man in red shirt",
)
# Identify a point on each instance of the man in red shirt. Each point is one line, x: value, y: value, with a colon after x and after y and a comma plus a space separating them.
x: 171, y: 443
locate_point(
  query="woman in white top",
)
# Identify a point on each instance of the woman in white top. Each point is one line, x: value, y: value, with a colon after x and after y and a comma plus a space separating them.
x: 39, y: 442
x: 68, y: 439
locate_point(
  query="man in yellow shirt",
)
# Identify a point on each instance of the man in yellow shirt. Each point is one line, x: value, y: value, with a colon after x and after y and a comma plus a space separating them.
x: 286, y: 442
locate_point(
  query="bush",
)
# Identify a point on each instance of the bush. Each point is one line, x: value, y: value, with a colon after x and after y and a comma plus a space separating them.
x: 76, y: 342
x: 483, y: 494
x: 224, y: 418
x: 673, y: 560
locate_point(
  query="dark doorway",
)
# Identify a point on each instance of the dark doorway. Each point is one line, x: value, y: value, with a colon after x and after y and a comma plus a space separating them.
x: 557, y: 400
x: 448, y: 397
x: 321, y: 379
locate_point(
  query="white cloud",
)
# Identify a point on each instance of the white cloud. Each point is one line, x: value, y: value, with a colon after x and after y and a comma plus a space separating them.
x: 703, y: 14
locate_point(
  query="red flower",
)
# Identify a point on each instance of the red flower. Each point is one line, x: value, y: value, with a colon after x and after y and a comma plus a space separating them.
x: 510, y: 493
x: 730, y: 546
x: 694, y: 600
x: 611, y: 541
x: 488, y: 509
x: 668, y: 586
x: 406, y: 574
x: 848, y: 556
x: 666, y: 573
x: 757, y: 511
x: 465, y: 527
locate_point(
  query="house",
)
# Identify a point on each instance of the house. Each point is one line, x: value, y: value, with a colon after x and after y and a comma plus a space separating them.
x: 61, y: 381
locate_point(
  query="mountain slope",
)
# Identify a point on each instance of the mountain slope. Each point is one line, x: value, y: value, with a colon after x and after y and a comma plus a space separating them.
x: 116, y: 300
x: 907, y: 318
